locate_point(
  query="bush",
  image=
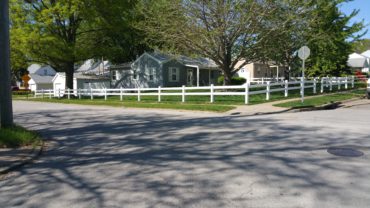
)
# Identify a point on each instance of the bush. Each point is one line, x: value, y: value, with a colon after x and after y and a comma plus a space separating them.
x: 21, y: 92
x: 234, y: 80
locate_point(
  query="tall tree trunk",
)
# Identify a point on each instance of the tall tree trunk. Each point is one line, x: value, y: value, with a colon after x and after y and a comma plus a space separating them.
x: 69, y: 70
x: 227, y: 75
x: 6, y: 109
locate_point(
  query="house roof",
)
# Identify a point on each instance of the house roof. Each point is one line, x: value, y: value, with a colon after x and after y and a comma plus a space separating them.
x: 41, y: 79
x: 33, y: 68
x: 366, y: 53
x: 357, y: 61
x: 123, y: 66
x: 93, y: 67
x: 200, y: 62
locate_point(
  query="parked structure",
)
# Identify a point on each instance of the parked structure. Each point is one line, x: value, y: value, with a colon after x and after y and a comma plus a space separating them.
x: 158, y: 69
x: 258, y: 70
x: 359, y: 62
x: 80, y: 81
x: 39, y: 77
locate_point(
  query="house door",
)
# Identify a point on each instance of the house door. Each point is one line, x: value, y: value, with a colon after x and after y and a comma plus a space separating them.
x: 190, y: 77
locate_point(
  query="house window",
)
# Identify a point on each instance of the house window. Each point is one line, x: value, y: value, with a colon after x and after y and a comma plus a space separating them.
x: 135, y: 75
x: 173, y: 74
x: 114, y: 75
x: 151, y: 73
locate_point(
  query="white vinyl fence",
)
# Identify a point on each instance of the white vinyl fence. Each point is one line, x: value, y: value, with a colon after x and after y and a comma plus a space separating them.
x: 242, y: 90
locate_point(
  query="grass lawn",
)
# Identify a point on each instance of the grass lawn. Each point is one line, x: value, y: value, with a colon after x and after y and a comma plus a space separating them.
x: 318, y: 101
x: 16, y: 136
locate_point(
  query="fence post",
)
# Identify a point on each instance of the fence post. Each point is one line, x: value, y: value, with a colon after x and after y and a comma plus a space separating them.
x: 268, y: 90
x: 328, y: 82
x: 183, y: 94
x: 59, y: 93
x: 42, y: 92
x: 338, y: 82
x: 159, y: 93
x: 331, y: 84
x: 105, y: 93
x: 50, y: 91
x: 246, y: 94
x: 68, y: 93
x: 302, y: 87
x: 314, y: 85
x: 353, y: 81
x: 286, y: 88
x: 91, y: 94
x: 346, y: 83
x: 212, y: 96
x: 322, y: 85
x: 79, y: 93
x: 120, y: 94
x: 138, y: 94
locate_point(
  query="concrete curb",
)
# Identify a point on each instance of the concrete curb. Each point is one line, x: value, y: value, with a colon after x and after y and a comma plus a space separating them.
x: 329, y: 106
x: 34, y: 154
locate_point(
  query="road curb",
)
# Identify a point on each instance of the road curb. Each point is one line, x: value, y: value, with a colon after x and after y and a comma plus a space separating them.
x: 329, y: 106
x: 34, y: 154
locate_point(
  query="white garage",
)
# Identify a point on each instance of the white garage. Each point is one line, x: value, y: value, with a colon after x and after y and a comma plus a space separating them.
x: 38, y: 82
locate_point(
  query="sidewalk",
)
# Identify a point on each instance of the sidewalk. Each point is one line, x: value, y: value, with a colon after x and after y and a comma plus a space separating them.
x: 11, y: 159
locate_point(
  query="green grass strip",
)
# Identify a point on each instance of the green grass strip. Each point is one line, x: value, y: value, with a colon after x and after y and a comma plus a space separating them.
x: 17, y: 136
x: 322, y: 100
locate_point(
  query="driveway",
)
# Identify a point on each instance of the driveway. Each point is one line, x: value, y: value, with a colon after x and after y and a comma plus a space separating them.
x: 114, y: 157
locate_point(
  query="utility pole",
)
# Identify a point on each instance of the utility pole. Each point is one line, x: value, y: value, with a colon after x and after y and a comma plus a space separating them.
x: 6, y: 109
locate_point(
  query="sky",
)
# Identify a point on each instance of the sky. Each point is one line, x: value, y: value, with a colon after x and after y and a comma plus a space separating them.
x: 364, y: 14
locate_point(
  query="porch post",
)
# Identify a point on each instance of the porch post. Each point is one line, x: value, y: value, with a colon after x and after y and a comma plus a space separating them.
x: 197, y: 76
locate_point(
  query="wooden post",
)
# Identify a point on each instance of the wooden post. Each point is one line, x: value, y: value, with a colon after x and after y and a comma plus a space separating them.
x: 59, y: 93
x: 338, y: 82
x: 138, y: 94
x: 91, y: 94
x: 353, y: 81
x: 314, y: 85
x: 330, y: 84
x: 183, y: 94
x: 268, y: 90
x: 346, y: 83
x: 42, y: 93
x: 286, y: 88
x: 212, y: 96
x: 79, y: 93
x: 246, y: 93
x: 322, y: 85
x: 50, y: 91
x: 120, y: 94
x: 159, y: 93
x: 105, y: 93
x: 68, y: 93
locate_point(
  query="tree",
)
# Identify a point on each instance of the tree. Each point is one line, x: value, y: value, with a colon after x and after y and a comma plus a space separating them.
x: 361, y: 45
x: 6, y: 111
x: 224, y: 31
x: 330, y: 38
x: 52, y: 32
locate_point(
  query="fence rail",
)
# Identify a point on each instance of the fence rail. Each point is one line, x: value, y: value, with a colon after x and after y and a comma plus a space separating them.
x: 242, y: 90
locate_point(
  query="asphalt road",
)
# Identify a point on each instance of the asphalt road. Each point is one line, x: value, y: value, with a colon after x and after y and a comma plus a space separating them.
x: 113, y: 157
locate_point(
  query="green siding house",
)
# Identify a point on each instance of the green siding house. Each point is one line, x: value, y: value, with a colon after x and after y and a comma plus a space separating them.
x: 158, y: 69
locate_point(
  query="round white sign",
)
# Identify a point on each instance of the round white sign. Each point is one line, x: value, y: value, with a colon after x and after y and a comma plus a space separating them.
x: 304, y: 52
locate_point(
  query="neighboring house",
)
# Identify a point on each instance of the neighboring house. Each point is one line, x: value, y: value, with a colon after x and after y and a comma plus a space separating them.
x: 94, y: 67
x: 41, y: 70
x: 158, y: 69
x: 39, y: 77
x: 81, y: 81
x: 259, y: 70
x: 359, y: 61
x: 38, y: 82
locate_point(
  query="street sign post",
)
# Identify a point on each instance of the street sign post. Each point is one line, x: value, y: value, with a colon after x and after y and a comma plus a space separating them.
x: 303, y: 53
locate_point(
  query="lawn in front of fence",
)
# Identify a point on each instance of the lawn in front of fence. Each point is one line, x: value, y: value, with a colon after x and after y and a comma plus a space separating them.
x: 322, y: 100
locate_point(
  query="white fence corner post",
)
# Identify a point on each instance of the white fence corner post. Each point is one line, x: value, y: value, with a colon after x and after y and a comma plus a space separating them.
x: 353, y: 81
x: 286, y: 88
x: 183, y: 94
x: 138, y: 94
x: 331, y: 84
x: 314, y: 85
x: 120, y: 94
x: 105, y: 93
x: 268, y: 90
x: 68, y: 93
x: 346, y: 83
x: 212, y: 95
x: 159, y: 94
x: 246, y: 93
